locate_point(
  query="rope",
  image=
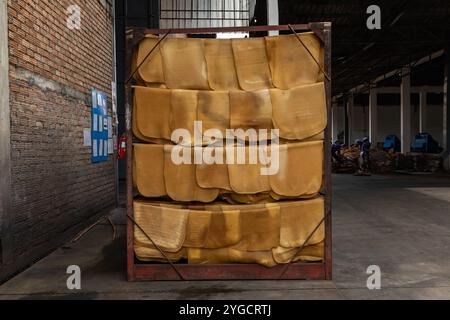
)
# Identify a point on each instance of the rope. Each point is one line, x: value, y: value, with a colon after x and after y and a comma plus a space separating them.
x: 310, y: 53
x: 157, y: 247
x: 146, y: 57
x: 286, y: 267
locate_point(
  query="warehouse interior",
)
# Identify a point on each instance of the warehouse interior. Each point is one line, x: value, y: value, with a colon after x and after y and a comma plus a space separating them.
x: 388, y: 82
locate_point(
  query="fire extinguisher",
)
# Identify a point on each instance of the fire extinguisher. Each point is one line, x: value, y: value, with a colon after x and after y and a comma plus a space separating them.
x: 122, y: 149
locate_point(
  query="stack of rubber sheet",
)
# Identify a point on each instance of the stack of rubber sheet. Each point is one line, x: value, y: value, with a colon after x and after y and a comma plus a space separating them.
x: 209, y: 191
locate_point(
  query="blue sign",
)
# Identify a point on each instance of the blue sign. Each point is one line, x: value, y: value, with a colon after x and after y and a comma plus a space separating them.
x: 99, y: 126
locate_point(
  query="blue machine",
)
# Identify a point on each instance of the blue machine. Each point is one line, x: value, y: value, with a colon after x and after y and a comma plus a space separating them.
x: 424, y: 142
x: 392, y: 142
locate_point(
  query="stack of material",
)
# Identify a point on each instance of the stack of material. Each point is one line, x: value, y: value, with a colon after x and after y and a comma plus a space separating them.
x: 351, y: 153
x: 266, y: 210
x: 267, y: 234
x: 349, y: 160
x: 382, y: 161
x: 421, y: 162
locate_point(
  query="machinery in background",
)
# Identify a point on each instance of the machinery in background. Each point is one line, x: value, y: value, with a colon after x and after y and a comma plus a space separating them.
x: 424, y: 143
x: 392, y: 142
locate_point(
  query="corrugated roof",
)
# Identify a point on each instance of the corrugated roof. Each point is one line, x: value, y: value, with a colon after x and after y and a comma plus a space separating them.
x: 411, y: 29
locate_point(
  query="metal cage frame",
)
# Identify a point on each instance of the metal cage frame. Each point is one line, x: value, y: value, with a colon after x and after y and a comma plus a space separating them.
x: 138, y: 271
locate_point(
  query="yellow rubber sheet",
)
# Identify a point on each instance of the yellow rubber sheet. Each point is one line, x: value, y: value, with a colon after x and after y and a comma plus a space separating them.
x: 250, y: 110
x: 184, y: 112
x: 148, y: 170
x: 246, y: 178
x: 197, y: 228
x: 260, y: 229
x: 230, y: 255
x: 219, y: 233
x: 146, y: 254
x: 214, y: 111
x: 301, y: 169
x: 234, y: 198
x: 214, y: 176
x: 290, y: 62
x: 185, y: 64
x: 181, y: 183
x: 252, y: 65
x: 221, y: 67
x: 165, y: 226
x: 314, y: 253
x: 298, y: 220
x: 299, y: 175
x: 151, y: 70
x: 224, y: 229
x: 301, y: 112
x: 151, y: 115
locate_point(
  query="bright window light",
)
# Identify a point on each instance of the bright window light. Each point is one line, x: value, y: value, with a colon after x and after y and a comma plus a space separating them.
x: 232, y: 35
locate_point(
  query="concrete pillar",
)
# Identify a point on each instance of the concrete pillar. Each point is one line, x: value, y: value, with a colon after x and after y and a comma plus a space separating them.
x: 5, y: 134
x: 446, y: 113
x: 446, y: 109
x: 373, y: 116
x: 335, y: 121
x: 405, y: 110
x: 273, y: 15
x: 422, y: 111
x: 350, y: 106
x: 346, y: 124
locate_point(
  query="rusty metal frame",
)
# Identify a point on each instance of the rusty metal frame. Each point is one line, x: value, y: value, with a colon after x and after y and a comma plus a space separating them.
x: 137, y: 271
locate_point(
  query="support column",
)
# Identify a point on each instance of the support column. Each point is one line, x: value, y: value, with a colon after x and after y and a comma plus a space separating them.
x: 446, y: 113
x: 346, y: 126
x: 405, y: 110
x: 335, y: 123
x: 446, y: 107
x: 373, y: 116
x: 273, y: 16
x: 350, y: 105
x: 422, y: 111
x: 5, y: 134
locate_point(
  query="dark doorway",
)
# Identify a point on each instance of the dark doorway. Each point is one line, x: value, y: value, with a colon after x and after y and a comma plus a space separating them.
x: 130, y: 13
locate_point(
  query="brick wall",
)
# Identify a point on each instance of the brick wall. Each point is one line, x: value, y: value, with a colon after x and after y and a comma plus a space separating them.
x: 55, y: 188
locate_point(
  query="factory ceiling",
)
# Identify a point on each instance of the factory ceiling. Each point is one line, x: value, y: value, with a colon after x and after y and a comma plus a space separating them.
x: 410, y: 30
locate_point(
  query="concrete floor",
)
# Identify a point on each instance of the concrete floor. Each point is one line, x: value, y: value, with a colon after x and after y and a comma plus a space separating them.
x: 400, y: 223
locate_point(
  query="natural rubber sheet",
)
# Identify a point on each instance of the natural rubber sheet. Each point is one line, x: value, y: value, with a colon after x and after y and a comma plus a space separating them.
x: 291, y: 63
x: 220, y: 64
x: 298, y: 113
x: 164, y: 225
x: 250, y: 110
x: 213, y: 110
x: 184, y: 64
x: 151, y: 116
x: 301, y: 169
x: 149, y: 59
x: 248, y: 64
x: 267, y: 234
x: 181, y: 182
x: 252, y: 64
x: 228, y: 211
x: 299, y: 175
x: 148, y: 175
